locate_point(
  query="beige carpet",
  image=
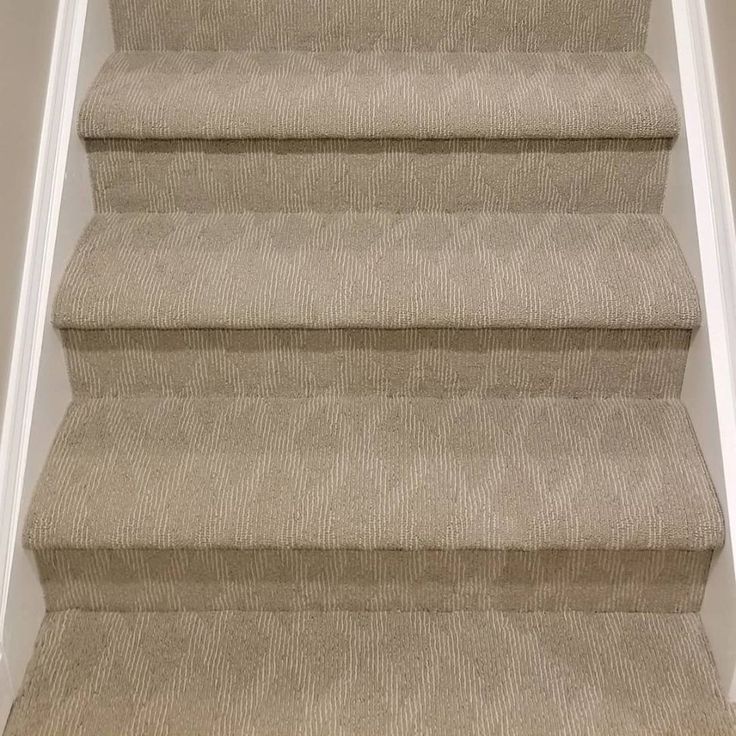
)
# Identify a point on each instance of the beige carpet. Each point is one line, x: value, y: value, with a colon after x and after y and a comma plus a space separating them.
x: 376, y: 342
x: 378, y: 270
x: 324, y: 674
x: 378, y: 95
x: 372, y: 25
x: 380, y: 502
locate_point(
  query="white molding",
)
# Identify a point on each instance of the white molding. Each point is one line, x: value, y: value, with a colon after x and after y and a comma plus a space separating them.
x: 717, y: 238
x: 34, y: 294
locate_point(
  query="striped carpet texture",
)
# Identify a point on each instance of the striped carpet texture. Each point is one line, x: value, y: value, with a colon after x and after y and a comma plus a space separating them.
x: 575, y: 363
x: 381, y: 25
x: 376, y: 341
x: 362, y: 270
x: 228, y: 673
x: 228, y: 95
x: 615, y: 175
x: 375, y: 503
x: 377, y: 473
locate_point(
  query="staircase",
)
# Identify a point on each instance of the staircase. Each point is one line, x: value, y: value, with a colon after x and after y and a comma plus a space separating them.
x: 376, y: 342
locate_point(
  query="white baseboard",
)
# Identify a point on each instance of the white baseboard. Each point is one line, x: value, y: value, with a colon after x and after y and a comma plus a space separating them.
x: 717, y: 243
x: 32, y: 317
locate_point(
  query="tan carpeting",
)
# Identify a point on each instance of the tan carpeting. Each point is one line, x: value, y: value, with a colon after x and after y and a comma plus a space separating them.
x: 372, y: 25
x: 465, y: 502
x: 337, y: 175
x: 378, y: 95
x: 376, y: 342
x: 429, y: 674
x: 378, y: 270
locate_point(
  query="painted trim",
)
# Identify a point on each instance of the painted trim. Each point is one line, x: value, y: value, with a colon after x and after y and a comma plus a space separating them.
x: 716, y: 231
x: 34, y: 294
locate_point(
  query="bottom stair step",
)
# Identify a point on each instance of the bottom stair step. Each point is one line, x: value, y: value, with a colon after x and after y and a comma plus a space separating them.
x: 370, y: 673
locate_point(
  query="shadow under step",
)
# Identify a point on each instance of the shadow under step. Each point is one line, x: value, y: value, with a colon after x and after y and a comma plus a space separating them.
x: 366, y: 673
x: 375, y: 503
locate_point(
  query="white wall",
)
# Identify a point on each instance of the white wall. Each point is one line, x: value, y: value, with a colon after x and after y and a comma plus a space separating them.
x: 722, y: 24
x: 63, y: 206
x: 719, y: 612
x: 675, y: 39
x: 26, y: 35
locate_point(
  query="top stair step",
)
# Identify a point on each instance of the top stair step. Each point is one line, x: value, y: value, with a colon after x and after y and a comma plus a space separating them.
x: 386, y: 25
x: 292, y: 95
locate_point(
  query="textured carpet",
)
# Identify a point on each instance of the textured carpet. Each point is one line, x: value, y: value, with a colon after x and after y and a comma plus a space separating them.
x: 376, y: 342
x: 367, y: 473
x: 459, y: 674
x: 180, y: 579
x: 421, y: 95
x: 377, y: 270
x: 439, y: 363
x: 368, y: 25
x: 336, y: 175
x: 436, y: 492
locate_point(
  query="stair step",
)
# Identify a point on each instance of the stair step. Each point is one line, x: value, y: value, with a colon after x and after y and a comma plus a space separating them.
x: 367, y: 473
x: 377, y: 270
x: 432, y: 484
x: 370, y: 673
x: 288, y: 95
x: 371, y: 25
x: 549, y: 304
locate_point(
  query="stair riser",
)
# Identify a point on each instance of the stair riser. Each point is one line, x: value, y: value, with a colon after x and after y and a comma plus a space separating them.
x: 587, y: 580
x: 337, y: 175
x: 488, y: 363
x: 446, y: 25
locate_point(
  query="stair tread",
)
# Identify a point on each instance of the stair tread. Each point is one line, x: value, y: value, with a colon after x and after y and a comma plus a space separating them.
x: 383, y: 270
x: 368, y: 673
x: 375, y: 473
x: 227, y: 94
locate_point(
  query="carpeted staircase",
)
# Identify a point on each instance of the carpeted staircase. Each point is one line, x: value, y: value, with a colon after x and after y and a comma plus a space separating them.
x: 376, y: 343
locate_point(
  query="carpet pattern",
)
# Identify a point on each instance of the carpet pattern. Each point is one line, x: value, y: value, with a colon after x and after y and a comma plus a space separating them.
x: 187, y: 579
x: 335, y: 175
x: 230, y: 673
x: 376, y: 473
x: 381, y: 25
x: 377, y: 270
x: 376, y: 342
x: 229, y: 95
x: 440, y: 363
x: 375, y: 502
